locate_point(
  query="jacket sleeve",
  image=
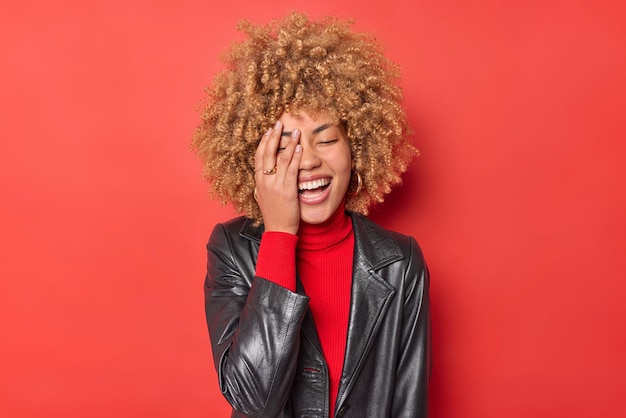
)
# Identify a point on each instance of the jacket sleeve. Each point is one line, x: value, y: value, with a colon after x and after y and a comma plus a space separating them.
x: 254, y: 326
x: 414, y: 365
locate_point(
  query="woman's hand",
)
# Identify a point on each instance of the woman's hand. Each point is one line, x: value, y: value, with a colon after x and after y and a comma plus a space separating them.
x: 276, y: 177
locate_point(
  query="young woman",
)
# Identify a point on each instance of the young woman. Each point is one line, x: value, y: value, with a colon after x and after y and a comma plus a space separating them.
x: 313, y: 310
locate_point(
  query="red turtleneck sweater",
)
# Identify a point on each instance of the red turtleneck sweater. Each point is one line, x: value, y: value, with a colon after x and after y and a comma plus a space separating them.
x: 323, y: 257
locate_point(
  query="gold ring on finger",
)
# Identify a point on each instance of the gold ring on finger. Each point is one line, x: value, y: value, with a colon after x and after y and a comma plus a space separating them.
x: 270, y: 171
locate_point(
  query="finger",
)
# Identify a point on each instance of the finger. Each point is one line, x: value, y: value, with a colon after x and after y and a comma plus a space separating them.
x: 291, y: 179
x: 269, y: 153
x: 260, y: 151
x: 285, y: 154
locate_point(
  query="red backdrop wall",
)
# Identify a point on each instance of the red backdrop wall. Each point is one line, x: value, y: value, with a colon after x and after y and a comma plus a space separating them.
x: 518, y: 201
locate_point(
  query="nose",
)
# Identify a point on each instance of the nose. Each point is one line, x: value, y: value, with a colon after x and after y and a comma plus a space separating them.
x: 310, y: 159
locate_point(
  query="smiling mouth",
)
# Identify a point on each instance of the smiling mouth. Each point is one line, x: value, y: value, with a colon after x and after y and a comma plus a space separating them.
x: 314, y: 187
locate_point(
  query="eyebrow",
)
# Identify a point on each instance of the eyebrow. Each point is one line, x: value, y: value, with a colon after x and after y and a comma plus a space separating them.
x: 315, y: 131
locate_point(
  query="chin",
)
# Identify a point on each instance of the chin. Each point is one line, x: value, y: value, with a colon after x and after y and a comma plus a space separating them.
x: 315, y: 217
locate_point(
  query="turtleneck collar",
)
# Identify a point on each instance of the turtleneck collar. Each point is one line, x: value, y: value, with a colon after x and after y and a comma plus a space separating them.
x: 315, y: 237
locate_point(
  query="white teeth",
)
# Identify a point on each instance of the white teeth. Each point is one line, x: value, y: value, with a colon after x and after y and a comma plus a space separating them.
x: 310, y: 185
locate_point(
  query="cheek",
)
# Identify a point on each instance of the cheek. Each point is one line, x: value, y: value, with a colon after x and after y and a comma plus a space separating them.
x: 341, y: 161
x: 346, y: 155
x: 343, y: 167
x: 345, y: 172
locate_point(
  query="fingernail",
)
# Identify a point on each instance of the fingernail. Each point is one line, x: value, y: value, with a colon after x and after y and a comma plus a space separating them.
x: 295, y: 133
x: 277, y: 124
x: 298, y: 148
x: 269, y: 131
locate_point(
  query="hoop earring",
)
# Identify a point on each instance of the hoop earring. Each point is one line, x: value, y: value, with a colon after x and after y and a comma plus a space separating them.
x: 359, y: 185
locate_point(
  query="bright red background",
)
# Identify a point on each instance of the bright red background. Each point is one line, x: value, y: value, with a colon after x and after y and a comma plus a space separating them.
x: 518, y: 201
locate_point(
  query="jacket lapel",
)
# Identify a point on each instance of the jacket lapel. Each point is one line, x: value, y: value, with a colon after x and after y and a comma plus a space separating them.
x: 308, y: 330
x: 371, y: 295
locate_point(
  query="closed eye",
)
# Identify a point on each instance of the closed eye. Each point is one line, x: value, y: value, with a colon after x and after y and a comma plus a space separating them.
x: 282, y: 146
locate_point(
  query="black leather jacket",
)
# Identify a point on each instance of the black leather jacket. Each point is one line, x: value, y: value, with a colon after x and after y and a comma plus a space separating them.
x: 265, y: 345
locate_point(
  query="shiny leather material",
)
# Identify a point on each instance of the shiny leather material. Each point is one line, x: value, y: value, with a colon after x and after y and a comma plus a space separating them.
x: 265, y: 345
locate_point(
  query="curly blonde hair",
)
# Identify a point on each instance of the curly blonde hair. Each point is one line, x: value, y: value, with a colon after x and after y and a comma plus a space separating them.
x: 314, y: 66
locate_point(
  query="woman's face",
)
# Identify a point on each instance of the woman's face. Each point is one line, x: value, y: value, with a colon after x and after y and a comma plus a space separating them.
x: 325, y: 167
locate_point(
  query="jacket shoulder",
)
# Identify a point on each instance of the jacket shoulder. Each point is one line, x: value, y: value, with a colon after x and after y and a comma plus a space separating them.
x: 236, y: 229
x: 376, y: 239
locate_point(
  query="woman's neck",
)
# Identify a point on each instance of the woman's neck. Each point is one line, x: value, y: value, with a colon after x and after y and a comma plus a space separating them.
x: 315, y: 237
